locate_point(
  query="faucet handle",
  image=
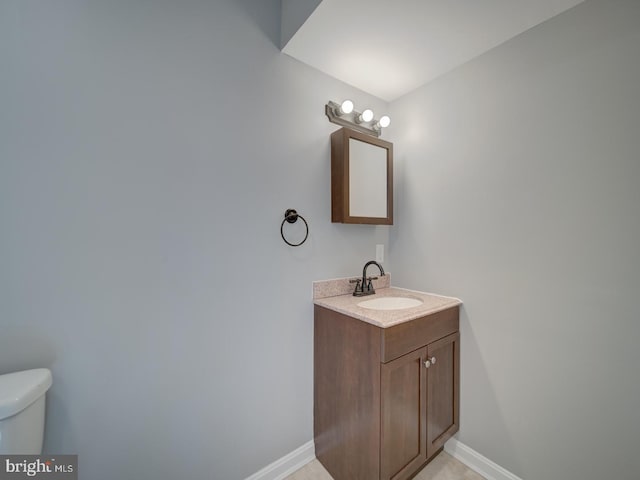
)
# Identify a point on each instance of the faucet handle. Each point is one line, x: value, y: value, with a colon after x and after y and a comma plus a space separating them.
x: 359, y: 290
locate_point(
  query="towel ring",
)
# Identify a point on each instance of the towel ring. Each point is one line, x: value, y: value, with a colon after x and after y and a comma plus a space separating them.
x: 292, y: 216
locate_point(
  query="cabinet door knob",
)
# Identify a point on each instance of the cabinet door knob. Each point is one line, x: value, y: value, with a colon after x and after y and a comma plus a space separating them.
x: 433, y: 360
x: 427, y: 363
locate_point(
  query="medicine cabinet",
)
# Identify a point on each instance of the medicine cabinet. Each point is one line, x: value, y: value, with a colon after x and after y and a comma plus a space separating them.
x: 361, y: 178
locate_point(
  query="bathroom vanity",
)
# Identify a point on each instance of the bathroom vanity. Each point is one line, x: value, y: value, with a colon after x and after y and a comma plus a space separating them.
x: 386, y: 382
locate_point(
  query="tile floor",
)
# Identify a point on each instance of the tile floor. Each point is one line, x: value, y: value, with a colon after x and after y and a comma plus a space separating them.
x: 443, y: 467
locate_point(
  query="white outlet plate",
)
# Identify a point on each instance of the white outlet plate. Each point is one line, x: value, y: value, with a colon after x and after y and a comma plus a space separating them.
x: 379, y: 253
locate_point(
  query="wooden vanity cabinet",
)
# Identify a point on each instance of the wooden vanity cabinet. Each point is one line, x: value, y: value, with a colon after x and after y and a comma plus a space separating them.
x: 380, y: 411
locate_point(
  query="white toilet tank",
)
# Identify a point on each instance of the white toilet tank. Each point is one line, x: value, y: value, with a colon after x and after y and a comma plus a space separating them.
x: 22, y: 397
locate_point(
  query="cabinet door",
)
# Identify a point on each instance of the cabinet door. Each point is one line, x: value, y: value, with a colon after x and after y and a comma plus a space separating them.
x: 443, y: 396
x: 361, y: 178
x: 403, y: 396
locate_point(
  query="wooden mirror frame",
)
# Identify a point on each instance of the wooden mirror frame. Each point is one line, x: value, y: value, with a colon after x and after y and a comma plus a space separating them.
x: 340, y: 212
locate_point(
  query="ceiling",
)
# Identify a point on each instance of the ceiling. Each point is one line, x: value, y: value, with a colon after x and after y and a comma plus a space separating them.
x: 390, y: 47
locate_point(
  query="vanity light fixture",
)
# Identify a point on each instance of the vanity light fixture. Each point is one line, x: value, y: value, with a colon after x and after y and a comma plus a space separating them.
x: 345, y: 114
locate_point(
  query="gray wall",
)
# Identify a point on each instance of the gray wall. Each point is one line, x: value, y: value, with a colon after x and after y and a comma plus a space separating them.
x: 520, y: 193
x: 148, y: 151
x: 293, y: 15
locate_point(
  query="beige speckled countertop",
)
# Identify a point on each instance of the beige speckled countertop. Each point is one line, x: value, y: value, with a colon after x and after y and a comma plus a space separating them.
x: 348, y: 305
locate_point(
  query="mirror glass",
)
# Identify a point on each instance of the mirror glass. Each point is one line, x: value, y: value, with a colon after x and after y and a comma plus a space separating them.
x: 367, y: 180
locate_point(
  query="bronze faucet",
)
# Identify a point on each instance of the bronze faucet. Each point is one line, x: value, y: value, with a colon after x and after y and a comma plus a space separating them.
x: 364, y: 285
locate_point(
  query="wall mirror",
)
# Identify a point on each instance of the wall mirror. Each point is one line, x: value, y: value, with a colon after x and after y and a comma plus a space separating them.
x: 361, y: 178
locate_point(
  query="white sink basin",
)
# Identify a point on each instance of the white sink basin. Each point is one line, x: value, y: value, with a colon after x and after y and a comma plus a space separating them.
x: 390, y: 303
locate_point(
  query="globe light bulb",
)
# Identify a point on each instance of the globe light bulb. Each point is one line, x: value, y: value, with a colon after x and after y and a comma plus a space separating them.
x: 367, y: 115
x: 346, y: 107
x: 384, y: 121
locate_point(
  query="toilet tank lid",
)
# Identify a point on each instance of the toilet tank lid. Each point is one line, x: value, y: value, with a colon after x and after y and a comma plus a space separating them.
x: 20, y: 389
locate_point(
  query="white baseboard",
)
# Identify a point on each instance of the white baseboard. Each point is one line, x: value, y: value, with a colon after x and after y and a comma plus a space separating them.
x: 297, y: 459
x: 477, y: 462
x: 288, y: 464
